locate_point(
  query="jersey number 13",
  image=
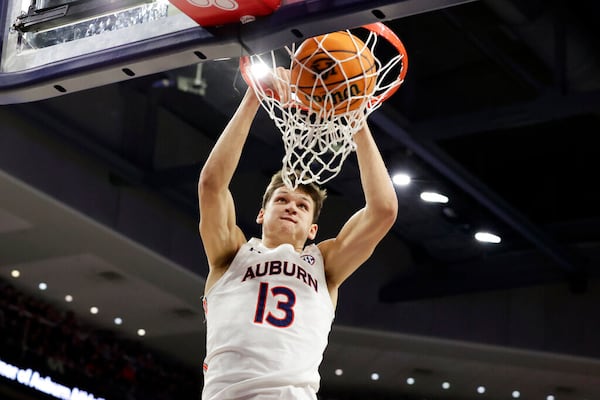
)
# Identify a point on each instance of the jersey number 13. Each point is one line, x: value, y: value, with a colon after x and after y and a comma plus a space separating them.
x: 285, y: 304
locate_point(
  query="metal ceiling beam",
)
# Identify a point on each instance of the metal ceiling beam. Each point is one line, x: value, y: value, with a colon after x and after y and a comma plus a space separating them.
x: 452, y: 171
x: 544, y: 109
x: 428, y: 286
x: 504, y: 271
x: 502, y: 58
x: 60, y: 128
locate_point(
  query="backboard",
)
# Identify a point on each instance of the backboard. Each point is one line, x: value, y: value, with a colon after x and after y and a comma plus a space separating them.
x: 54, y: 47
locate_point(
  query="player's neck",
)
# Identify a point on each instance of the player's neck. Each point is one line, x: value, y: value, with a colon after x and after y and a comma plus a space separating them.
x: 274, y: 243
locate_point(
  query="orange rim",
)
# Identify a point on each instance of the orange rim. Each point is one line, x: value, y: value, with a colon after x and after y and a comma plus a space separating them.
x: 379, y: 29
x: 389, y: 35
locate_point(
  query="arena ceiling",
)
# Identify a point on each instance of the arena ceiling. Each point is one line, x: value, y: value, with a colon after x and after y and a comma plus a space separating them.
x: 499, y: 111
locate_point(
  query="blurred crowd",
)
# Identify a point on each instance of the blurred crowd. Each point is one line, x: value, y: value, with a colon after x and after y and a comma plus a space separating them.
x: 36, y: 335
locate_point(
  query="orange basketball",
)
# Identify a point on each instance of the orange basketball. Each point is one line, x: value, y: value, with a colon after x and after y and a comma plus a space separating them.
x: 335, y: 70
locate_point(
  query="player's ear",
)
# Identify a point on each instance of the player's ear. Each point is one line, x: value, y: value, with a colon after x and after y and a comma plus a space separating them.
x: 312, y: 232
x: 261, y: 216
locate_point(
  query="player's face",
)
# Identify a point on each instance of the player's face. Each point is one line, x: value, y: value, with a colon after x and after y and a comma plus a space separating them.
x: 289, y: 214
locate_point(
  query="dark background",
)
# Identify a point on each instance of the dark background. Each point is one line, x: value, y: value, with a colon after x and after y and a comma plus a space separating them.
x: 498, y: 111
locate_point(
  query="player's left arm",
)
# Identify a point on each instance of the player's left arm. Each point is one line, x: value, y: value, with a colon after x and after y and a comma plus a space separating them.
x: 359, y: 236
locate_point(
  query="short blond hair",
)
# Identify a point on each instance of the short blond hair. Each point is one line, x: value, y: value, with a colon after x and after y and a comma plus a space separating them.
x: 316, y: 193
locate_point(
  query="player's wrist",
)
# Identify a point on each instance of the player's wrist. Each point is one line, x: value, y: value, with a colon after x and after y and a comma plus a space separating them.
x: 250, y: 98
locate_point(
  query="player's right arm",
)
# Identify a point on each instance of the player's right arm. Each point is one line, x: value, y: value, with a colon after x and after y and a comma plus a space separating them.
x: 221, y: 237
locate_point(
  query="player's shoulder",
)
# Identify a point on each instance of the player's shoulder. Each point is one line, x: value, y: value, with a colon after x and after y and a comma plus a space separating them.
x: 325, y: 246
x: 325, y: 243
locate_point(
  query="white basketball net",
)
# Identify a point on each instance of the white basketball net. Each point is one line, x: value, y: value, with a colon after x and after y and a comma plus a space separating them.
x: 316, y: 140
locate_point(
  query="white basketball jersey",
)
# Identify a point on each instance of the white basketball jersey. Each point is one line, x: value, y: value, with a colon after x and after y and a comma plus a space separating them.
x: 268, y: 320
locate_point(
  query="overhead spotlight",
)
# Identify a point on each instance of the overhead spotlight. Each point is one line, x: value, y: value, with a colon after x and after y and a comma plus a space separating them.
x: 516, y: 394
x: 481, y: 389
x: 118, y: 321
x: 446, y: 385
x: 94, y: 310
x: 339, y: 372
x: 401, y: 179
x: 259, y: 70
x: 141, y: 332
x: 433, y: 197
x: 15, y: 273
x: 374, y: 376
x: 43, y: 286
x: 487, y: 237
x: 68, y: 298
x: 410, y: 381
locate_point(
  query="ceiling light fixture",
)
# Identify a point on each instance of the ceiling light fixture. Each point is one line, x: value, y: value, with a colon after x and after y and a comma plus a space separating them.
x: 487, y: 237
x: 433, y: 197
x: 401, y: 179
x: 259, y: 70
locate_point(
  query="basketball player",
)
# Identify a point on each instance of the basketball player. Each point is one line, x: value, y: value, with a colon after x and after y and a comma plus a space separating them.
x: 270, y: 301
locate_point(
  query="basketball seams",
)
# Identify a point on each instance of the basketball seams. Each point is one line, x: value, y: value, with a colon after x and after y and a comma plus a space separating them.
x: 313, y: 66
x: 368, y: 71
